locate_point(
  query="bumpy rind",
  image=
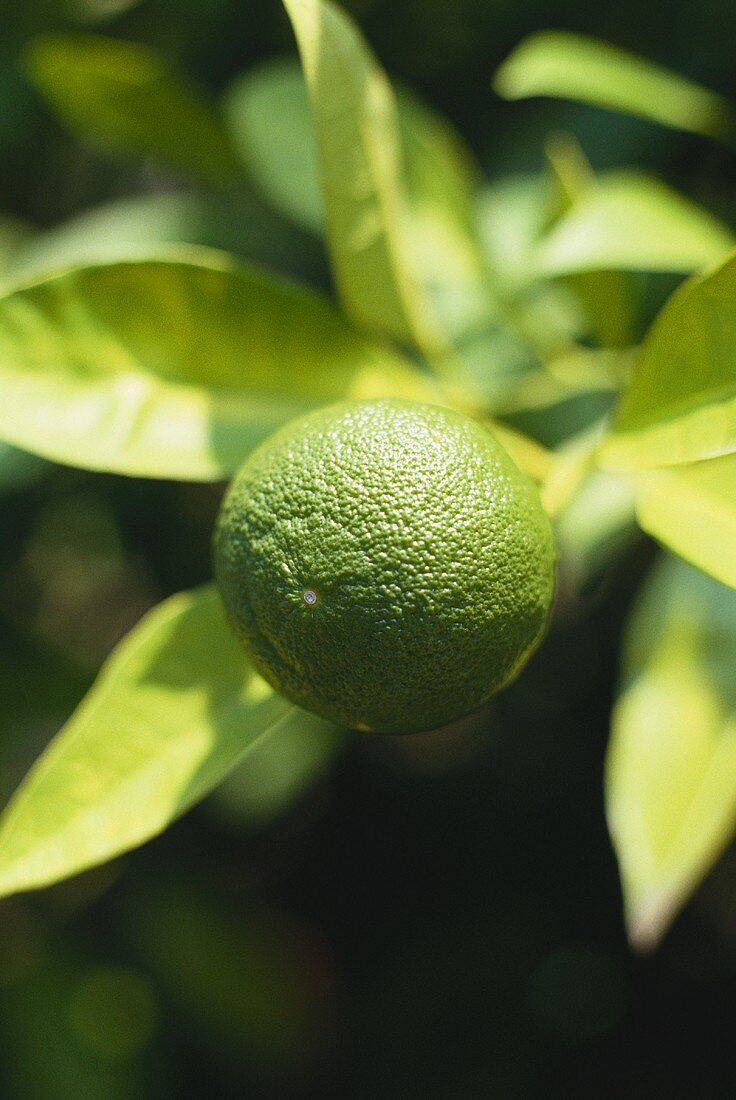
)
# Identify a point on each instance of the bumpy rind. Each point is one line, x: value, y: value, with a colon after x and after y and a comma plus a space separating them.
x: 385, y: 564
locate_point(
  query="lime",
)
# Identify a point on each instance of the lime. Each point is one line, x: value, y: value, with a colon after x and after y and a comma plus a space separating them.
x: 385, y: 564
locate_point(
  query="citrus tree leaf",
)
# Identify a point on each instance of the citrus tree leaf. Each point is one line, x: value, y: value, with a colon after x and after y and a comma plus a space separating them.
x: 277, y: 774
x: 175, y: 708
x: 631, y: 222
x: 671, y: 766
x: 123, y: 97
x: 596, y: 526
x: 512, y: 214
x: 270, y: 120
x: 125, y: 228
x: 441, y: 186
x: 681, y: 404
x: 13, y: 234
x: 18, y: 469
x: 573, y: 66
x: 272, y: 127
x: 607, y: 296
x: 174, y: 367
x: 692, y: 511
x: 363, y: 195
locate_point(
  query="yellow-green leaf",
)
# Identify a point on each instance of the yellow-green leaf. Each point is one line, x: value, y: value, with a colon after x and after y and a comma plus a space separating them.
x: 681, y: 404
x: 272, y: 127
x: 607, y: 296
x: 573, y: 66
x: 124, y: 97
x: 363, y: 191
x: 175, y: 366
x: 671, y: 766
x: 630, y: 222
x: 175, y: 708
x: 692, y: 511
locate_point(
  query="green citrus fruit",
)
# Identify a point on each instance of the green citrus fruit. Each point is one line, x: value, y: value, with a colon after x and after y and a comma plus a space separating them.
x: 385, y: 564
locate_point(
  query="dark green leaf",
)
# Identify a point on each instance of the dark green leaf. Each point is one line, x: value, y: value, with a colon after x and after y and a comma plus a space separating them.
x: 123, y: 97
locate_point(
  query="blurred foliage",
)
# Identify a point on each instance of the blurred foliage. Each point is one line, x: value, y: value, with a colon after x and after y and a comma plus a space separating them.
x: 365, y: 919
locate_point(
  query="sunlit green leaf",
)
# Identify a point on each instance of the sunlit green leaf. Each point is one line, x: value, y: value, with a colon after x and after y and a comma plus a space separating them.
x: 671, y: 768
x: 123, y: 97
x: 272, y: 126
x: 512, y: 215
x: 364, y: 198
x: 174, y: 710
x: 573, y: 66
x: 692, y: 510
x: 681, y: 404
x: 631, y: 222
x: 571, y: 171
x: 606, y: 296
x: 174, y: 366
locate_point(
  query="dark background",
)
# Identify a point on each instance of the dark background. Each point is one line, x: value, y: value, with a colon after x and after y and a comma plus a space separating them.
x: 437, y: 916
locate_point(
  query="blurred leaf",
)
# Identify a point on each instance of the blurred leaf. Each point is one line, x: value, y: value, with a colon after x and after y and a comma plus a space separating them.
x: 571, y: 171
x: 174, y: 367
x: 512, y: 215
x: 681, y: 404
x: 98, y: 11
x: 272, y: 127
x: 692, y: 510
x: 553, y: 415
x: 573, y: 66
x: 528, y: 455
x: 441, y: 181
x: 175, y: 708
x: 607, y: 296
x: 608, y: 300
x: 570, y: 468
x: 18, y: 468
x: 596, y: 526
x: 123, y: 97
x: 671, y: 767
x: 277, y: 773
x: 13, y: 234
x: 577, y: 373
x: 359, y: 156
x: 123, y: 228
x: 630, y: 222
x: 248, y: 981
x: 270, y: 120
